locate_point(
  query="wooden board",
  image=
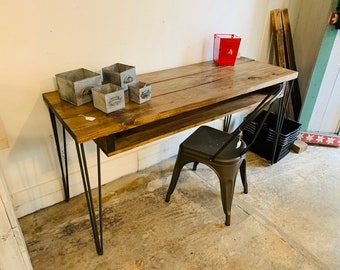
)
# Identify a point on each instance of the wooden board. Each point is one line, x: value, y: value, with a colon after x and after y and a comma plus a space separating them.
x: 278, y: 37
x: 280, y: 50
x: 285, y: 57
x: 291, y: 64
x: 129, y: 139
x: 289, y: 49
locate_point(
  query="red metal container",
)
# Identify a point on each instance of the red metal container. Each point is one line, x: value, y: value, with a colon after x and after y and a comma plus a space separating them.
x: 225, y: 49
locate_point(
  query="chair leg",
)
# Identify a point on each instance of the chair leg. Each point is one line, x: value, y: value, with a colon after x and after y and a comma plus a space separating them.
x: 194, y: 167
x: 227, y: 193
x: 227, y: 177
x: 175, y: 174
x: 243, y: 173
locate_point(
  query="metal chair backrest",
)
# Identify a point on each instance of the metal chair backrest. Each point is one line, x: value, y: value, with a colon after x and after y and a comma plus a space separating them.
x: 276, y: 92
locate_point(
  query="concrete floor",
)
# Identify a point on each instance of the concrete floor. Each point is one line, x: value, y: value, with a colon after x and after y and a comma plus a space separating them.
x: 289, y: 220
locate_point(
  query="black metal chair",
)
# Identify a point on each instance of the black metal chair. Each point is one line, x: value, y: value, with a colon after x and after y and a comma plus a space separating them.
x: 224, y: 153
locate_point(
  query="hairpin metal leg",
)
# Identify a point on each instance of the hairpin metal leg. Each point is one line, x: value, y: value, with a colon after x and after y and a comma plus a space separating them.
x: 63, y: 166
x: 283, y: 103
x: 97, y: 232
x: 226, y: 123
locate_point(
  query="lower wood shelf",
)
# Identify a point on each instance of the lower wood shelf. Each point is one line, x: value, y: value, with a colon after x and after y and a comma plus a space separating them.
x: 132, y: 138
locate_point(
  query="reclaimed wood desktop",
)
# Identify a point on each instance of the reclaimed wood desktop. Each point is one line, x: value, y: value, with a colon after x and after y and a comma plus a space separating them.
x: 182, y: 98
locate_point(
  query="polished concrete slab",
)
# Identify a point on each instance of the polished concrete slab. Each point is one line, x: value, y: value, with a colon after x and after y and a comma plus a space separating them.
x: 290, y: 219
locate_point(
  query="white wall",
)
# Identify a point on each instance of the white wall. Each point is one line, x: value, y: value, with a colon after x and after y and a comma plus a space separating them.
x: 40, y: 38
x: 14, y: 254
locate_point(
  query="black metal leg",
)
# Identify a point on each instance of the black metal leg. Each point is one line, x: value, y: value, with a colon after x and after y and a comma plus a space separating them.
x: 277, y: 130
x: 97, y: 233
x: 66, y: 182
x: 226, y: 123
x: 100, y: 210
x: 64, y: 173
x: 243, y: 173
x: 283, y: 102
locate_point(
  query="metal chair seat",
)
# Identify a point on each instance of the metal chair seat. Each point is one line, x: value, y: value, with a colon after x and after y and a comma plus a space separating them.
x: 207, y: 141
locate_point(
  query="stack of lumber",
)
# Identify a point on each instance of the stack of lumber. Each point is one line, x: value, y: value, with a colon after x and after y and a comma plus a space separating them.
x: 285, y: 57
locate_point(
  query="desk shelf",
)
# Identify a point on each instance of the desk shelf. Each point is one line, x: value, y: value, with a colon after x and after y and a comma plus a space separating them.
x: 132, y: 138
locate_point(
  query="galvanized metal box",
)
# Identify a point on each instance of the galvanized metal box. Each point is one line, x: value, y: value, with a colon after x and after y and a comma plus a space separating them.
x: 75, y: 86
x: 108, y: 97
x: 139, y: 92
x: 119, y: 74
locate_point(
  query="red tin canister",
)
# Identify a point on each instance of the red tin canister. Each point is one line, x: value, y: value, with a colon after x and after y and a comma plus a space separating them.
x: 226, y: 49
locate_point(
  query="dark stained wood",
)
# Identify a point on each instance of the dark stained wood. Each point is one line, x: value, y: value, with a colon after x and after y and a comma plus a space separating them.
x: 181, y: 98
x: 187, y: 70
x: 284, y: 54
x: 127, y: 140
x: 288, y: 39
x: 291, y: 64
x: 278, y: 37
x: 279, y: 49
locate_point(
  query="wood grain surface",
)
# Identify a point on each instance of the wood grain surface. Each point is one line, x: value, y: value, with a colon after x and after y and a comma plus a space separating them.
x: 181, y: 98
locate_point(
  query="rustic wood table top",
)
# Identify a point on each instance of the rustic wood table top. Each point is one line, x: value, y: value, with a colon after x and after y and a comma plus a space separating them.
x: 182, y: 97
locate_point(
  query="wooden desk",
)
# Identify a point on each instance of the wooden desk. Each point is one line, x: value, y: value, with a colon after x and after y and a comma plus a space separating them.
x: 182, y: 98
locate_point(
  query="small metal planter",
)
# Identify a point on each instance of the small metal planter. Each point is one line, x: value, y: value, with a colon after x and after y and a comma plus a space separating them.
x: 139, y: 92
x: 108, y: 97
x: 75, y: 86
x: 119, y: 74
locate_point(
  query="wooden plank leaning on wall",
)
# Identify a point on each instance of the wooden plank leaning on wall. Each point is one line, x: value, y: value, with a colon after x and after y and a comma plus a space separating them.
x: 285, y: 57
